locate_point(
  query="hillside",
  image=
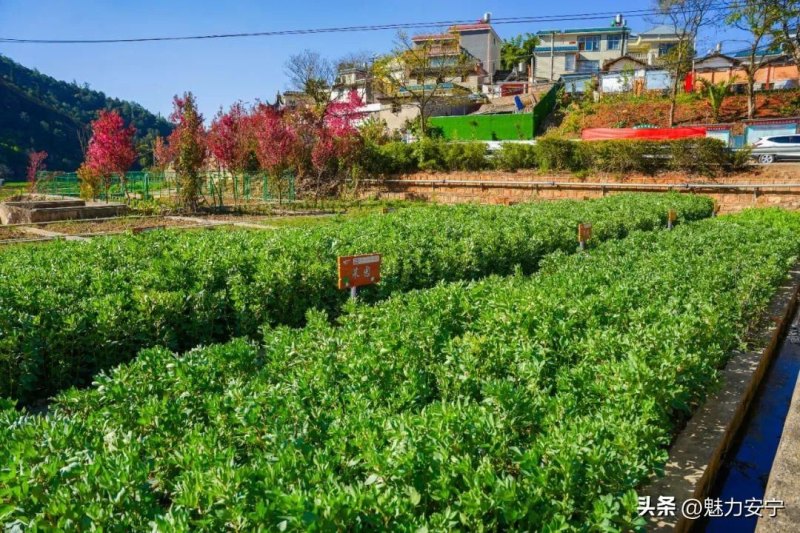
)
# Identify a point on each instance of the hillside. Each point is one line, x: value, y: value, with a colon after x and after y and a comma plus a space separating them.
x: 625, y: 111
x: 38, y: 112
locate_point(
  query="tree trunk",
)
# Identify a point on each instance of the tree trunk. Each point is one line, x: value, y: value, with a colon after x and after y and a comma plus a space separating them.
x: 751, y: 95
x: 672, y: 100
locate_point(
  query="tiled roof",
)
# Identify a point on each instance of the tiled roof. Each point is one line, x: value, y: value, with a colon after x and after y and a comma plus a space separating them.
x: 433, y: 36
x: 760, y: 52
x: 663, y: 29
x: 468, y: 27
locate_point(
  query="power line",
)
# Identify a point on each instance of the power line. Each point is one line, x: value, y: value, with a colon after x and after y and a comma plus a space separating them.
x: 346, y: 29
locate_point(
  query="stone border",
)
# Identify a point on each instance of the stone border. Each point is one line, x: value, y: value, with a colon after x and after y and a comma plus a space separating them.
x: 697, y: 453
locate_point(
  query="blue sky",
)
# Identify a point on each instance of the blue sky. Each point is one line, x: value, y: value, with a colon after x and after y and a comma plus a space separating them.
x: 220, y: 72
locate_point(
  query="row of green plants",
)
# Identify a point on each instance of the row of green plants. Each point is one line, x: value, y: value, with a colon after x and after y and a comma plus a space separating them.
x: 73, y: 308
x: 695, y: 156
x: 520, y: 403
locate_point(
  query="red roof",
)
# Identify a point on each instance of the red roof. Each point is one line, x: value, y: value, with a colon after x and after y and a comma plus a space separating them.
x: 433, y: 36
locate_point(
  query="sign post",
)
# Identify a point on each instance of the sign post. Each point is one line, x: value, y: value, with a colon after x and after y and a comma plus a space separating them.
x: 357, y: 271
x: 584, y: 234
x: 672, y: 217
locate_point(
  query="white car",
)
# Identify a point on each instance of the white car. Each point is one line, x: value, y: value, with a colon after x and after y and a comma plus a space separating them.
x: 779, y: 147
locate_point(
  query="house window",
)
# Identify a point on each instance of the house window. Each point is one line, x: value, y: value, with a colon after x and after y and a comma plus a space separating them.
x: 664, y: 49
x: 586, y: 66
x: 569, y: 63
x: 614, y: 41
x: 589, y: 43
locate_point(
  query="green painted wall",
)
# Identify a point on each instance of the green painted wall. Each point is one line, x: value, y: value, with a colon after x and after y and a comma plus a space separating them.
x: 485, y: 127
x: 522, y: 126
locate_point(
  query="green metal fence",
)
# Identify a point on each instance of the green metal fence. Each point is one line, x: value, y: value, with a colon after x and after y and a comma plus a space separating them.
x: 217, y: 187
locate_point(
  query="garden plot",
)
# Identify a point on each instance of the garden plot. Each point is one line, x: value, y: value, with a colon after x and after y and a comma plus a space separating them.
x: 98, y: 303
x: 114, y: 225
x: 518, y: 403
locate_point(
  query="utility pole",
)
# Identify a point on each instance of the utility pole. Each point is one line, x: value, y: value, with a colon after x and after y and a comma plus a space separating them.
x: 552, y: 53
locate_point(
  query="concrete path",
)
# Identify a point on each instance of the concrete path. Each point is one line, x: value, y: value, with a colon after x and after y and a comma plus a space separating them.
x: 207, y: 221
x: 46, y: 233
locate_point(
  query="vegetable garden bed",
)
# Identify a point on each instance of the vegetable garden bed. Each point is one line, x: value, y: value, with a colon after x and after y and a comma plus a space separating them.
x: 71, y: 309
x: 121, y: 224
x: 525, y: 403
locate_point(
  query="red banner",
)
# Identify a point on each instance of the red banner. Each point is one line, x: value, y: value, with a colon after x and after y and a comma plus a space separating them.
x: 654, y: 134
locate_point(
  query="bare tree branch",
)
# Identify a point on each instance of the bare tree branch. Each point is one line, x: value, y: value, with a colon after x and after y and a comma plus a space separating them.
x: 312, y: 74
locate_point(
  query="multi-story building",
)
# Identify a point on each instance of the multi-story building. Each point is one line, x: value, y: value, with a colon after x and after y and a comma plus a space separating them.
x: 585, y: 50
x: 481, y: 42
x: 354, y: 77
x: 649, y: 46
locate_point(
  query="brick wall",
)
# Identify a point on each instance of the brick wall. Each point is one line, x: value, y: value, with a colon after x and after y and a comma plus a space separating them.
x: 512, y: 187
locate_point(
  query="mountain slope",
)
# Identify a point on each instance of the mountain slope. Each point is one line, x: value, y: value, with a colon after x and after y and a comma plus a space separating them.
x: 38, y: 112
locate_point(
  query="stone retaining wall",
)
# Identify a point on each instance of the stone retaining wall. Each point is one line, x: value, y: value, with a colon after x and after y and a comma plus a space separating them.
x: 757, y: 188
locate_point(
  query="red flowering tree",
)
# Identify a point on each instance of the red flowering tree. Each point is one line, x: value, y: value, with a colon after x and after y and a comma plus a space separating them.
x: 232, y: 144
x: 162, y: 154
x: 111, y: 150
x: 35, y: 165
x: 333, y: 143
x: 276, y: 145
x: 188, y: 143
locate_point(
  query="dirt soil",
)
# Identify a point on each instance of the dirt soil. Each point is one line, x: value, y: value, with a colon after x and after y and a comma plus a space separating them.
x: 89, y: 227
x: 252, y: 219
x: 625, y: 111
x: 13, y: 234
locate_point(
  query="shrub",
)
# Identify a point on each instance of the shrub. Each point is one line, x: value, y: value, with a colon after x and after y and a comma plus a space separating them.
x: 391, y: 158
x: 554, y: 153
x: 465, y: 156
x: 620, y: 156
x: 430, y: 154
x: 514, y: 156
x: 698, y: 155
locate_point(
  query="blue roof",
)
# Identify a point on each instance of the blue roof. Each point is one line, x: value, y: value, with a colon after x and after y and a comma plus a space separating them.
x: 762, y: 51
x: 564, y: 48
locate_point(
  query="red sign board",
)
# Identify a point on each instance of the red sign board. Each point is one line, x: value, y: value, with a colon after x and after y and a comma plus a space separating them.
x: 584, y: 232
x: 359, y: 270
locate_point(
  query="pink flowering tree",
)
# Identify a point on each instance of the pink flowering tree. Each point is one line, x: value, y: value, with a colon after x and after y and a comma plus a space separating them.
x: 162, y: 154
x: 231, y: 143
x: 189, y: 147
x: 334, y: 144
x: 35, y: 165
x: 111, y: 150
x: 276, y: 145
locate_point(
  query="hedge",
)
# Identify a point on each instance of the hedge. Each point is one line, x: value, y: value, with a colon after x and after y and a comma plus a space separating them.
x: 695, y: 156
